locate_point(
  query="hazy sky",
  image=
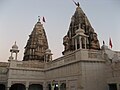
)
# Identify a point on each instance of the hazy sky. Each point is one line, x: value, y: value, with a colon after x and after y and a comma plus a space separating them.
x: 18, y: 17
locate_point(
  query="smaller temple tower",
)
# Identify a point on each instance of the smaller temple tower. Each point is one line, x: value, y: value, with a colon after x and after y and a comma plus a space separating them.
x: 81, y: 40
x: 14, y: 50
x: 37, y: 44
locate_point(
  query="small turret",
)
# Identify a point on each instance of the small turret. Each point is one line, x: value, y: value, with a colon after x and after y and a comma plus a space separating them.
x: 48, y: 55
x: 14, y: 50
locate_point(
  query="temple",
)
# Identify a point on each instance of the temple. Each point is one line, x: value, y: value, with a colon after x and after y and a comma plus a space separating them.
x: 37, y: 44
x: 84, y: 64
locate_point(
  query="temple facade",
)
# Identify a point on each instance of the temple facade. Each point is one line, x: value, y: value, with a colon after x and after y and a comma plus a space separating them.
x: 84, y: 64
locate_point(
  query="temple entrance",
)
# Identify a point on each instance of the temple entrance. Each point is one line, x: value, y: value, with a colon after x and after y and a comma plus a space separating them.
x: 53, y: 87
x: 112, y: 86
x: 2, y: 87
x: 35, y: 87
x: 63, y: 86
x: 56, y: 87
x: 17, y: 87
x: 49, y: 87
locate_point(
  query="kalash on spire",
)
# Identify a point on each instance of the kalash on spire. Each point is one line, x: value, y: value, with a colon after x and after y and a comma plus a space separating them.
x: 80, y: 35
x: 37, y: 44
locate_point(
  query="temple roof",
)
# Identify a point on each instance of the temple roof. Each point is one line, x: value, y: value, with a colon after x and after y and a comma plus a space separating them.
x: 80, y: 20
x: 36, y: 44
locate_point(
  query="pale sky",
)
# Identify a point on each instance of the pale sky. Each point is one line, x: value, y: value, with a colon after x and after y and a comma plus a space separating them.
x: 18, y: 17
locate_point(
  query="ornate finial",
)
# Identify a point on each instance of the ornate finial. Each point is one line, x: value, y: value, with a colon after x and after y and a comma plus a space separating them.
x: 78, y: 4
x: 38, y: 18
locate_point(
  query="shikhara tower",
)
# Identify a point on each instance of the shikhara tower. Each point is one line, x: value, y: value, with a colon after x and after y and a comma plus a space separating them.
x: 37, y: 44
x: 80, y: 35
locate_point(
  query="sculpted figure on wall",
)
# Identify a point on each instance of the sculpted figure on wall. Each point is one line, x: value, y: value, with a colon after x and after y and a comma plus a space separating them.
x: 65, y: 42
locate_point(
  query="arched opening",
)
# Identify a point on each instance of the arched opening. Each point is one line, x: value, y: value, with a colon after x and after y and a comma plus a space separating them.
x: 63, y: 86
x: 49, y: 87
x: 78, y: 43
x: 56, y: 87
x: 35, y: 87
x: 17, y: 87
x: 2, y: 87
x: 83, y: 43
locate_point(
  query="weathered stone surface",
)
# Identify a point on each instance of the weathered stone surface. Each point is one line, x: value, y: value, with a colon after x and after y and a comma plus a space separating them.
x: 80, y: 20
x: 37, y: 44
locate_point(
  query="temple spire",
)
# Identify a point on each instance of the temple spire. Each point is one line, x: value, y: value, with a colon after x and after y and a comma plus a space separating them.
x: 36, y: 44
x: 79, y: 21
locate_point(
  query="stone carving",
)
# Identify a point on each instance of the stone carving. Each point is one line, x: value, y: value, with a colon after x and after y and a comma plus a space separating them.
x: 3, y: 70
x: 4, y: 64
x: 80, y: 20
x: 65, y: 42
x: 37, y: 44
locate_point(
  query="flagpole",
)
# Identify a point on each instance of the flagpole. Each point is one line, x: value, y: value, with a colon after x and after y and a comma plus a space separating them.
x: 110, y: 43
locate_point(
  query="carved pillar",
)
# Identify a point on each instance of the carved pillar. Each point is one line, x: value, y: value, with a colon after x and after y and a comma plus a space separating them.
x: 85, y: 44
x: 118, y: 87
x: 16, y: 56
x: 44, y: 86
x: 67, y: 85
x: 27, y: 85
x: 7, y: 88
x: 27, y: 88
x: 75, y: 44
x: 80, y: 42
x: 58, y: 85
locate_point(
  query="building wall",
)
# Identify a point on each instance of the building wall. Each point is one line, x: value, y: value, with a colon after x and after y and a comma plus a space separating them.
x: 86, y: 71
x: 3, y: 73
x: 93, y: 76
x: 26, y: 73
x: 79, y: 70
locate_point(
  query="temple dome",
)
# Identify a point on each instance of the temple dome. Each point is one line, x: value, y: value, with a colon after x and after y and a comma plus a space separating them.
x: 15, y: 47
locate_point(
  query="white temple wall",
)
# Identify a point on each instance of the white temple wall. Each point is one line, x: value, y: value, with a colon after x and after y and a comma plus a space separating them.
x: 93, y: 76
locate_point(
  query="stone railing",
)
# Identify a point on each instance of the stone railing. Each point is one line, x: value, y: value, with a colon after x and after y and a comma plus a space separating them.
x: 79, y: 55
x: 95, y: 55
x: 87, y: 54
x: 92, y: 55
x: 3, y: 71
x: 26, y: 64
x: 118, y: 53
x: 31, y: 64
x: 61, y: 61
x: 4, y: 64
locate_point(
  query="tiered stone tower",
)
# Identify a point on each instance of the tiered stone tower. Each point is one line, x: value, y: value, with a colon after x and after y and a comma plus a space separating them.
x: 80, y: 35
x: 37, y: 44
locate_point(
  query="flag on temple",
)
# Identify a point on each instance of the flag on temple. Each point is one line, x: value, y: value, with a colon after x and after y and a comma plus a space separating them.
x: 44, y: 19
x: 110, y: 43
x: 76, y: 3
x: 103, y: 42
